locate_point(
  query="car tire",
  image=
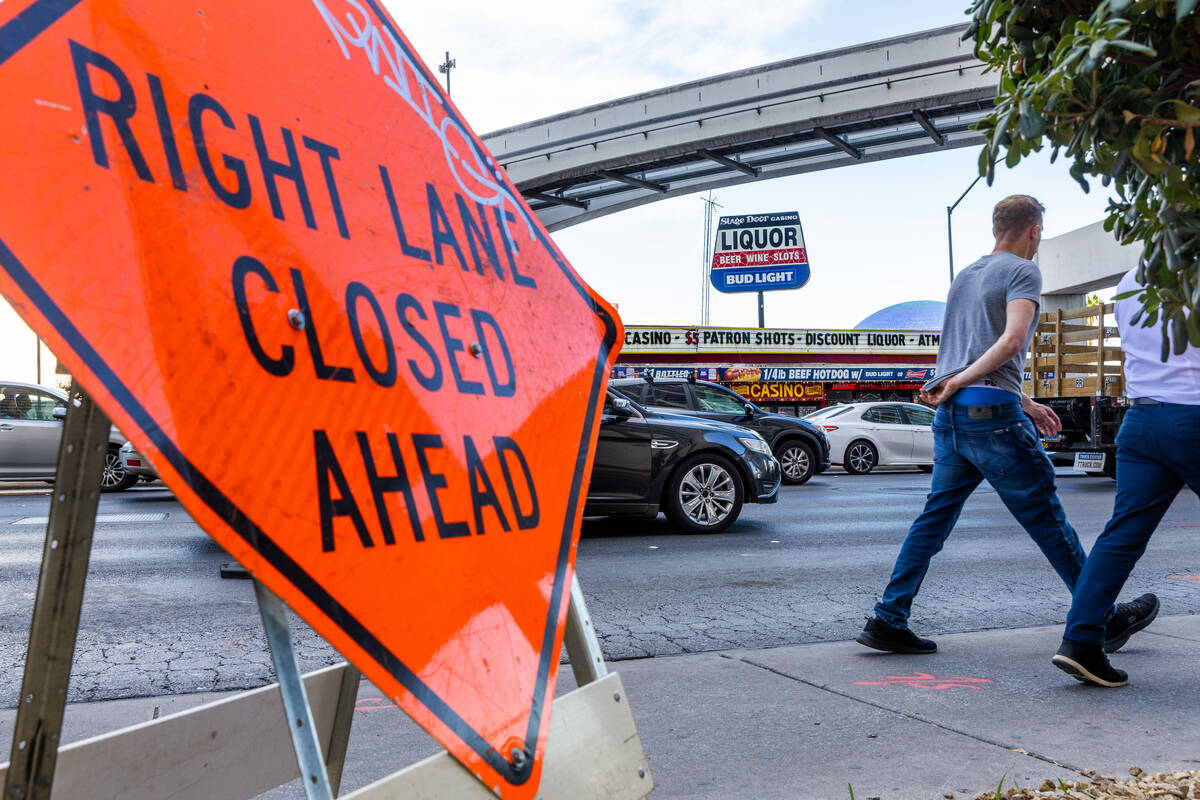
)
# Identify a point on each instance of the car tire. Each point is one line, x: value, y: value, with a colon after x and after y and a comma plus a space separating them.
x: 797, y: 462
x: 115, y: 478
x: 861, y: 457
x: 925, y: 467
x: 704, y: 495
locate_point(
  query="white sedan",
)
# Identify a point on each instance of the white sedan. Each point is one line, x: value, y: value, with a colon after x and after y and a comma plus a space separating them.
x: 863, y: 436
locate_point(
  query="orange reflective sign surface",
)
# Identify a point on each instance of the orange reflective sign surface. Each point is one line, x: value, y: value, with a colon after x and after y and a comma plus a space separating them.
x: 265, y: 242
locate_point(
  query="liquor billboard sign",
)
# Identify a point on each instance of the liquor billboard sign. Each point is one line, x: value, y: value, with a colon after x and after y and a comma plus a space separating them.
x: 759, y: 253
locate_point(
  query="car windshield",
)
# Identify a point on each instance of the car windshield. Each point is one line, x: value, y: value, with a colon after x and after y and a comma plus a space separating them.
x: 709, y: 398
x: 613, y: 391
x: 828, y: 412
x: 619, y: 393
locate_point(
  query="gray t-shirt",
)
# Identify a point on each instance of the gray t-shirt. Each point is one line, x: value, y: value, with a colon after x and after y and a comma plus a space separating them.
x: 977, y: 312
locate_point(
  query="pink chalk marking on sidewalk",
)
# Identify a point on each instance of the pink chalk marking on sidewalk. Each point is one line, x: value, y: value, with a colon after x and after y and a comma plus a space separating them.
x: 924, y: 680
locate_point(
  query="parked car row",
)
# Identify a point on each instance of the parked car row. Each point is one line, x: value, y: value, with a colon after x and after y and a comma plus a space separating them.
x: 693, y: 450
x: 801, y: 447
x: 698, y: 471
x: 697, y: 451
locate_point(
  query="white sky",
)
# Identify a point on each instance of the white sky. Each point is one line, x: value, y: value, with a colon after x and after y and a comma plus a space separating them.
x: 876, y: 233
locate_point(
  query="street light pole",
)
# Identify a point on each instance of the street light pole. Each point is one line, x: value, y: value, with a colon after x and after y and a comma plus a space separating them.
x: 950, y: 227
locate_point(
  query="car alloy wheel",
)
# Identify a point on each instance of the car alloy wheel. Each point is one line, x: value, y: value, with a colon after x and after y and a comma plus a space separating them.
x: 860, y: 458
x: 797, y: 463
x: 707, y: 494
x: 115, y: 477
x: 704, y: 494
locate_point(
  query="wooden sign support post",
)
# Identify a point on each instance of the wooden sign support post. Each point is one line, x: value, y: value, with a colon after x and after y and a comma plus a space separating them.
x: 58, y: 601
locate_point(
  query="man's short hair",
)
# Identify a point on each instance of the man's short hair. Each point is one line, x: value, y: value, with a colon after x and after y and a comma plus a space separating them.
x: 1015, y: 213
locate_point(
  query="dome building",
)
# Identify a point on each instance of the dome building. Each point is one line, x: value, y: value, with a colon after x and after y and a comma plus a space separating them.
x: 914, y: 315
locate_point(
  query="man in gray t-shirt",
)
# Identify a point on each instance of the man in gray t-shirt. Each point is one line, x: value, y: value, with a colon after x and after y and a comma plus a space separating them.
x: 977, y: 314
x: 985, y: 429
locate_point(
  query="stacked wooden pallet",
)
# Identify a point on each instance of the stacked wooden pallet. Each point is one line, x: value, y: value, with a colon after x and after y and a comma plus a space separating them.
x: 1076, y: 353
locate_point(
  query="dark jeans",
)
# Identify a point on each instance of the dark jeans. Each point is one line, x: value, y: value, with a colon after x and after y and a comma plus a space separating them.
x: 1006, y: 451
x: 1158, y: 451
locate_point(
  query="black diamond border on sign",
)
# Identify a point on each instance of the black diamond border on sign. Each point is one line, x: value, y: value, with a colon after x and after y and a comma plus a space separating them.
x: 26, y: 26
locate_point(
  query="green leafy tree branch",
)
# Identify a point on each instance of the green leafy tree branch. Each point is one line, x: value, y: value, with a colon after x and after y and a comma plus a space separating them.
x: 1114, y: 86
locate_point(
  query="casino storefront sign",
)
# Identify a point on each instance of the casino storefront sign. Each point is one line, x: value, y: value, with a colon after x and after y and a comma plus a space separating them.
x: 776, y: 392
x: 786, y: 370
x: 668, y: 340
x: 798, y: 390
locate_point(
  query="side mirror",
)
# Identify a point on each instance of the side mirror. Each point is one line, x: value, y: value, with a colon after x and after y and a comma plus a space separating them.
x: 59, y: 412
x: 622, y: 408
x: 750, y: 410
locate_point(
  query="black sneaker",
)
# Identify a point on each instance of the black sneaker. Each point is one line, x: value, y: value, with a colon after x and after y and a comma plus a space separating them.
x: 881, y: 636
x: 1129, y: 618
x: 1088, y: 664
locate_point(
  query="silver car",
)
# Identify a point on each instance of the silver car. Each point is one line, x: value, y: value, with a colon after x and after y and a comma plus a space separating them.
x: 138, y: 464
x: 863, y: 436
x: 31, y: 421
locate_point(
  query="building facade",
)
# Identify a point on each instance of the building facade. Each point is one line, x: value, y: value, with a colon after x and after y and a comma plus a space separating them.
x: 789, y: 371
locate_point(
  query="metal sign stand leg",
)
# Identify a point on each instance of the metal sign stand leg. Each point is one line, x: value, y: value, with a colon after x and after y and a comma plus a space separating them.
x: 295, y: 701
x: 583, y: 648
x: 56, y: 609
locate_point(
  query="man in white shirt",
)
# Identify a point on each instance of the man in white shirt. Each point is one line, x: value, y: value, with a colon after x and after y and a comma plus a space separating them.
x: 1158, y: 452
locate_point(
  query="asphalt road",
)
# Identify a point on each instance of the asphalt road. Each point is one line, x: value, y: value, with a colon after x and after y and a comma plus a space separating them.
x: 159, y: 619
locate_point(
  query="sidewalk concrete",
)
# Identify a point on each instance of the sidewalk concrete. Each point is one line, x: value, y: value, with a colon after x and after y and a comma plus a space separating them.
x: 809, y: 721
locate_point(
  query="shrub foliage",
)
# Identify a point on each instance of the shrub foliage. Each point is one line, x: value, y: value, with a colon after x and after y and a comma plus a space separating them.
x: 1113, y: 86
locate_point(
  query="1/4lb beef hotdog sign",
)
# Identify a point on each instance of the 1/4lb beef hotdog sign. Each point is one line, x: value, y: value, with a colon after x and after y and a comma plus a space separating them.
x: 759, y: 253
x: 269, y: 246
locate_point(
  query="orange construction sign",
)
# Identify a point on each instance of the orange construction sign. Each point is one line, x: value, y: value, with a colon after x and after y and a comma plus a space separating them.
x: 268, y: 245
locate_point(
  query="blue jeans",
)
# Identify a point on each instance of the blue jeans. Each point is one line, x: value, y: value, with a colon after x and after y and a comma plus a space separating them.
x: 1158, y: 451
x: 1005, y: 450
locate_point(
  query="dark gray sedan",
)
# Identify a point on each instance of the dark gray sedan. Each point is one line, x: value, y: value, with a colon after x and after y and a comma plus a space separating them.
x: 697, y: 471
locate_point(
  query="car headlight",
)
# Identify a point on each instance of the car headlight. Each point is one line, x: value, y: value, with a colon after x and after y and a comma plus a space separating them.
x: 756, y: 444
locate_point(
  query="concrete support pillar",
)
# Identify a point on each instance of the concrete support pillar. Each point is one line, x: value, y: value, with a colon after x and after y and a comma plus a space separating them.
x: 1053, y: 302
x: 1084, y: 260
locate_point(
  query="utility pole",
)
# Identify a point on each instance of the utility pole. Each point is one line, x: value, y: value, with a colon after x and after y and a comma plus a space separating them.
x: 445, y: 68
x: 706, y: 265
